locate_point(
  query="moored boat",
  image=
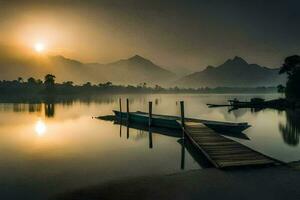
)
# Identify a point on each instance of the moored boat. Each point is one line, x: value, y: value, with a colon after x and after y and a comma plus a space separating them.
x: 168, y: 121
x: 253, y: 102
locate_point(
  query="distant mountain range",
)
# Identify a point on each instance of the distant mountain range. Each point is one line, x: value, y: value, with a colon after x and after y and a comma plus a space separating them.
x: 135, y: 70
x: 234, y: 72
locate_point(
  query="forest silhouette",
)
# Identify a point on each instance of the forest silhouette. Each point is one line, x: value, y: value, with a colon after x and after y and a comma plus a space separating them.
x: 291, y: 67
x: 48, y: 86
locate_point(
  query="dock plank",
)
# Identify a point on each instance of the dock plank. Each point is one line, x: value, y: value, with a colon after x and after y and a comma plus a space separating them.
x: 221, y: 151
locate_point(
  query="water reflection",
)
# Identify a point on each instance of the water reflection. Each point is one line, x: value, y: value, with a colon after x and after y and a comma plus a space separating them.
x: 49, y: 110
x: 291, y: 129
x: 35, y: 108
x: 127, y: 132
x: 197, y: 155
x: 45, y: 149
x: 40, y: 127
x: 24, y: 107
x: 182, y: 163
x: 237, y: 113
x: 288, y: 127
x: 47, y: 104
x: 240, y: 112
x: 150, y: 139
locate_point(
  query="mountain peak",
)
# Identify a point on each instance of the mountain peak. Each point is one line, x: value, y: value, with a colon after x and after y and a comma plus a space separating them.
x: 137, y: 58
x: 209, y: 67
x: 238, y: 60
x: 234, y: 72
x: 63, y: 59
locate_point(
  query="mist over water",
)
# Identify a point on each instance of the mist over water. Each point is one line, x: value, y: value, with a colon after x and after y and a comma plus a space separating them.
x: 50, y: 147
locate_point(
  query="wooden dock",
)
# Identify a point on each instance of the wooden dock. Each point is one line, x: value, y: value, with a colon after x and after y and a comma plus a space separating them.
x: 221, y: 151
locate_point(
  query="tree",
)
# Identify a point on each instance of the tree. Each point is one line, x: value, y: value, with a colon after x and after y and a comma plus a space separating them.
x: 49, y: 82
x: 31, y: 81
x: 87, y: 84
x: 280, y: 88
x: 68, y: 83
x: 144, y: 85
x: 20, y: 80
x: 291, y: 67
x: 39, y: 81
x: 158, y: 87
x: 108, y: 84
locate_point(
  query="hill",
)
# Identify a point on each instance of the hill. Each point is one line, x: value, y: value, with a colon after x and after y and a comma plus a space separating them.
x: 134, y: 70
x: 234, y: 72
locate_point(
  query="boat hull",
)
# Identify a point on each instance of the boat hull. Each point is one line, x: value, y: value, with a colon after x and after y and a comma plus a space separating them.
x: 166, y: 121
x: 144, y: 119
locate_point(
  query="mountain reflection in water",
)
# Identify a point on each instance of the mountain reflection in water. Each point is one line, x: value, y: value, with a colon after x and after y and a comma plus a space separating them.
x: 56, y: 141
x: 265, y: 123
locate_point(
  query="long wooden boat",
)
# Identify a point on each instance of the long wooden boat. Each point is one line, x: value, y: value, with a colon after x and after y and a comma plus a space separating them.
x: 168, y: 121
x: 252, y: 102
x: 258, y: 103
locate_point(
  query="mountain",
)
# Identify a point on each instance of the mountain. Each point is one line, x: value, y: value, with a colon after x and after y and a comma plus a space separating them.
x: 234, y: 72
x: 134, y: 70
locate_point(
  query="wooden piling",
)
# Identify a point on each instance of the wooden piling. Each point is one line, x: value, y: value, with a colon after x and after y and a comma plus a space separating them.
x: 150, y: 138
x: 150, y: 113
x: 127, y: 132
x: 127, y: 106
x: 182, y: 163
x: 120, y: 104
x: 182, y: 113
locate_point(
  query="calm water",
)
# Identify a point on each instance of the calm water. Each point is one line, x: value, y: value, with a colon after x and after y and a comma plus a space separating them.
x: 46, y: 149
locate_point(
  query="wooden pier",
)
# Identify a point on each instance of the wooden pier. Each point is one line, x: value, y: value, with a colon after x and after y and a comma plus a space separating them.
x: 221, y: 151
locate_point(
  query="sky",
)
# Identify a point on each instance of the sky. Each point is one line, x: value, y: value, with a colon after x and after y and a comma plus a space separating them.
x: 187, y: 34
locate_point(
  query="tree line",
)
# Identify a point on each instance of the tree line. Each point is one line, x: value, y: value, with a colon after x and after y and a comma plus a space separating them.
x: 291, y: 67
x: 48, y: 86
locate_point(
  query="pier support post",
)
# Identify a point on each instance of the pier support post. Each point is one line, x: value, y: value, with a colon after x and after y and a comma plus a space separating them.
x: 182, y: 113
x: 127, y: 132
x: 150, y: 113
x: 182, y: 163
x: 150, y: 138
x: 120, y: 105
x: 127, y: 106
x: 182, y: 117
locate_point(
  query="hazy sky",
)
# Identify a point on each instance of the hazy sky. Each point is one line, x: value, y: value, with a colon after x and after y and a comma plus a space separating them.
x: 185, y: 33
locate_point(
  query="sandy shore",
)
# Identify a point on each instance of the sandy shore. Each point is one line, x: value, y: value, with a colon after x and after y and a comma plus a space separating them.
x: 261, y: 183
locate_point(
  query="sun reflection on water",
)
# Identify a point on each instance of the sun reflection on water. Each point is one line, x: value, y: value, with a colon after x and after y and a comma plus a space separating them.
x: 40, y: 127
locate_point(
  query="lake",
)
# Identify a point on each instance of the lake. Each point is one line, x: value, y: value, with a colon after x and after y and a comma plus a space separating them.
x: 48, y: 148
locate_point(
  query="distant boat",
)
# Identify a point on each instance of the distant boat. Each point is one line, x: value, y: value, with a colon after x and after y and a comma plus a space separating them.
x: 258, y: 103
x: 252, y: 102
x: 168, y: 121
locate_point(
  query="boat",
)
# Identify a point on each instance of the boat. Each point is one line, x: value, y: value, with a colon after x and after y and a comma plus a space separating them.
x: 253, y: 102
x: 258, y: 104
x: 162, y: 130
x: 168, y: 121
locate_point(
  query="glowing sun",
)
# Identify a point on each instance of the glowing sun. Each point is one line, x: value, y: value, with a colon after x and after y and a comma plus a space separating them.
x: 39, y: 47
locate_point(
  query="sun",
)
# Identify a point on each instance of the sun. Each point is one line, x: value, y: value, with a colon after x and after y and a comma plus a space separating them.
x: 39, y: 47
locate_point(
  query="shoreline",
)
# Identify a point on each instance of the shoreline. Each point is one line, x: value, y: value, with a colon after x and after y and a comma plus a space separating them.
x: 278, y: 182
